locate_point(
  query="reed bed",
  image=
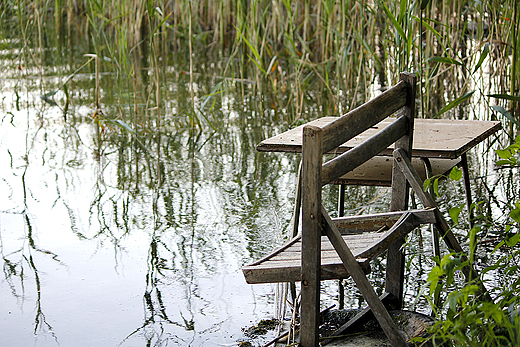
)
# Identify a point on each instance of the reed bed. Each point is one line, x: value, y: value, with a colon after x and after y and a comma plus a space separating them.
x: 295, y: 52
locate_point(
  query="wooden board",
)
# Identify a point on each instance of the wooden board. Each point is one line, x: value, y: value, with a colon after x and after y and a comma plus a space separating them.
x: 378, y: 171
x: 433, y: 138
x: 283, y: 265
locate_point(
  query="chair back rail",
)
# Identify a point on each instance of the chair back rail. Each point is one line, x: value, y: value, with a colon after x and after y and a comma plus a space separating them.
x: 348, y: 161
x: 365, y: 116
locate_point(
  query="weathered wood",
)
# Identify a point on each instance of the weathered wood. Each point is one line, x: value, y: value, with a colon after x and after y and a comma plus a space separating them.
x: 394, y: 279
x: 312, y: 154
x: 441, y: 224
x: 380, y: 312
x: 284, y: 264
x: 371, y: 222
x: 433, y: 138
x: 377, y: 171
x: 364, y: 117
x: 348, y: 161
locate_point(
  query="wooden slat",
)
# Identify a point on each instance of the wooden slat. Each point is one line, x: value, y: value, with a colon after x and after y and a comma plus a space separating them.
x: 364, y: 117
x: 370, y: 222
x: 283, y: 265
x: 312, y: 155
x: 378, y: 171
x: 348, y: 161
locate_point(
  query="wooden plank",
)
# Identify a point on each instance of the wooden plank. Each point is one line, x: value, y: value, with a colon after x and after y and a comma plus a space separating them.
x: 380, y: 312
x: 373, y: 222
x: 394, y: 278
x: 433, y: 138
x: 311, y: 235
x: 377, y: 171
x: 364, y: 116
x: 348, y: 161
x: 284, y: 264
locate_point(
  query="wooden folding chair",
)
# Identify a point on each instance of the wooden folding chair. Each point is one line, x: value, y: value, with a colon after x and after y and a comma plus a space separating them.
x: 341, y: 247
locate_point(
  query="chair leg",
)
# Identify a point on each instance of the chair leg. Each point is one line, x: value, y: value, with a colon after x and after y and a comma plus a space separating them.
x: 467, y: 187
x: 357, y: 274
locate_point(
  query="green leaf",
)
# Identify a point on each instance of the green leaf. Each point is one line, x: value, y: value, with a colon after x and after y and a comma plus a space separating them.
x: 505, y: 97
x: 483, y: 56
x: 454, y: 214
x: 505, y: 113
x: 426, y: 184
x: 455, y: 173
x: 504, y: 162
x: 455, y: 103
x: 503, y: 153
x: 445, y: 60
x: 473, y: 242
x: 436, y: 186
x: 513, y: 240
x: 394, y: 21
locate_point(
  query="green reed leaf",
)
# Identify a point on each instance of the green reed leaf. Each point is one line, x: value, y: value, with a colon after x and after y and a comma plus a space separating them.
x: 455, y: 103
x: 505, y: 113
x: 505, y: 97
x: 394, y: 21
x: 483, y: 56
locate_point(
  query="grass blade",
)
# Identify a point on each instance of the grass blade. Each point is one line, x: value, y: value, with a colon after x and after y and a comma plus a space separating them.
x: 455, y: 103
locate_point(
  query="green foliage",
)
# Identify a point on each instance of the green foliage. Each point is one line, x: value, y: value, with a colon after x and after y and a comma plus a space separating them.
x: 510, y: 154
x: 464, y: 318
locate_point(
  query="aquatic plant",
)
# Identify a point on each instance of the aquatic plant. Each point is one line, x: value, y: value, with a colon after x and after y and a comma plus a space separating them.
x: 463, y: 318
x: 299, y: 52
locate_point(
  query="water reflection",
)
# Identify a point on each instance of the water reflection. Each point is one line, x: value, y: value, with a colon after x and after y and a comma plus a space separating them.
x: 122, y: 224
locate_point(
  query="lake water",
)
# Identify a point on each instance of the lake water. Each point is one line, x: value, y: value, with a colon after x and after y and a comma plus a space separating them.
x: 111, y: 241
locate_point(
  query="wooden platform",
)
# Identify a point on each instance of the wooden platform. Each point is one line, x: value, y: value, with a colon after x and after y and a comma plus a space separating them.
x: 366, y: 236
x: 433, y: 138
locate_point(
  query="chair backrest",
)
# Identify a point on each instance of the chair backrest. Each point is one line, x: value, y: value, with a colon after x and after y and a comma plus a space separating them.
x: 317, y: 141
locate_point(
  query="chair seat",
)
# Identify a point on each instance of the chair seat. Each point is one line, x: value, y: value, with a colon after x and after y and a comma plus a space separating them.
x: 366, y: 236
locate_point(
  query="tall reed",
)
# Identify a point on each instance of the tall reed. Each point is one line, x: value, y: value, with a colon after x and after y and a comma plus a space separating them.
x: 319, y: 50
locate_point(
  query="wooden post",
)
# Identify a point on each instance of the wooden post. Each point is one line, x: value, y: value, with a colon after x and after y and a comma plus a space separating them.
x: 399, y: 201
x: 311, y: 235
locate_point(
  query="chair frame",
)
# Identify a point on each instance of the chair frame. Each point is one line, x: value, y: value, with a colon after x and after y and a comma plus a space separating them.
x: 317, y: 141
